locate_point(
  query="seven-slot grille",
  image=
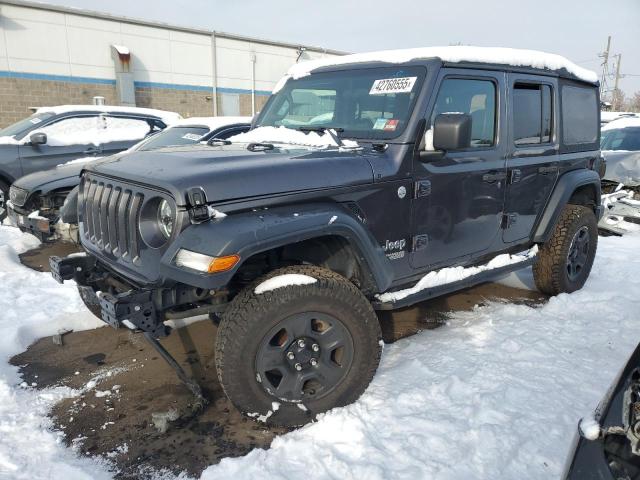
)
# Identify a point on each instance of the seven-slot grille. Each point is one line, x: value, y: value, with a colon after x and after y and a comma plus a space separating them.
x: 110, y: 216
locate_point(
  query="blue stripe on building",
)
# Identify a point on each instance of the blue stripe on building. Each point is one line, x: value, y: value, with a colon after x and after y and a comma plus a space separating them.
x: 107, y: 81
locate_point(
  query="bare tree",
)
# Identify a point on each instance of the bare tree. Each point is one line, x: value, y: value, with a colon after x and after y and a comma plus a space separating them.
x: 633, y: 104
x: 617, y: 100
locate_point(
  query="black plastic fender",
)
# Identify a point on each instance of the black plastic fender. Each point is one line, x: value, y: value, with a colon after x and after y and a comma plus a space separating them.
x: 249, y: 233
x: 566, y: 185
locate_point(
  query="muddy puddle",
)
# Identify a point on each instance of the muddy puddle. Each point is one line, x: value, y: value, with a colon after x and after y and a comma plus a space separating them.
x: 128, y: 390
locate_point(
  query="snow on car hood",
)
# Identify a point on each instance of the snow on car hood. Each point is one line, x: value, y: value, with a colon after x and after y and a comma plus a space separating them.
x: 622, y: 167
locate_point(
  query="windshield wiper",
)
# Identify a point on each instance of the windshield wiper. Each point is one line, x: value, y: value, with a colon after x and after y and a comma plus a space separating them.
x: 333, y: 131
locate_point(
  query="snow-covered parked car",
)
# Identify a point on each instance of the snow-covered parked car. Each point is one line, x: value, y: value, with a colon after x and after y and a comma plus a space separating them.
x: 620, y: 144
x: 55, y: 135
x: 36, y: 199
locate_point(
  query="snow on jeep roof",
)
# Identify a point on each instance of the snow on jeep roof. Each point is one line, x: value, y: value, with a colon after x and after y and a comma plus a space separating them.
x: 455, y: 54
x: 167, y: 117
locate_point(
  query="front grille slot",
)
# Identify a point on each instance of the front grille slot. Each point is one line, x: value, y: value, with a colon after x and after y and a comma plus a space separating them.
x: 111, y: 214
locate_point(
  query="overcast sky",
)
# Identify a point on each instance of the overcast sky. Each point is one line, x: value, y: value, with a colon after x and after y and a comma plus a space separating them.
x: 577, y: 29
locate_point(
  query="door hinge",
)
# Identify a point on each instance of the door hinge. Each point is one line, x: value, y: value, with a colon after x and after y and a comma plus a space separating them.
x: 515, y: 175
x: 509, y: 219
x: 422, y: 188
x: 420, y: 242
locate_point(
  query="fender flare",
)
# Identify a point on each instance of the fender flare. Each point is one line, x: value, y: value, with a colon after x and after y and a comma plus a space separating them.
x: 250, y: 233
x: 566, y: 185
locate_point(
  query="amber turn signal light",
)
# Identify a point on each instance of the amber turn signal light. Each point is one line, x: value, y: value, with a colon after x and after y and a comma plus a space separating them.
x: 222, y: 264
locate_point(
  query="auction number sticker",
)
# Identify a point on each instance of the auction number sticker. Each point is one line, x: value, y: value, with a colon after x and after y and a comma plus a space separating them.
x: 35, y: 120
x: 392, y: 85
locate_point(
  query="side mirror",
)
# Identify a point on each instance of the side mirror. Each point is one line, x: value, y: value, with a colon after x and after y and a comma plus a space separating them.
x: 452, y: 131
x: 38, y: 138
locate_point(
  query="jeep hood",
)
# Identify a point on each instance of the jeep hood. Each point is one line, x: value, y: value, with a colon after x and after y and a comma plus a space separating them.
x: 232, y: 172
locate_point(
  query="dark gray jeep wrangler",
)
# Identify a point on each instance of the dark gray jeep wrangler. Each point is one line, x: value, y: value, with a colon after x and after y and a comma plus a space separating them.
x: 362, y: 176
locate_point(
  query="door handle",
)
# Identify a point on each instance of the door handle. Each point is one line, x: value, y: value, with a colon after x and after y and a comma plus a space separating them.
x: 548, y: 170
x: 493, y: 177
x: 92, y: 150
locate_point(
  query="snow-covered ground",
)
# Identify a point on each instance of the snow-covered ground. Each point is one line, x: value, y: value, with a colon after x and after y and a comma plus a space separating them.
x: 496, y: 393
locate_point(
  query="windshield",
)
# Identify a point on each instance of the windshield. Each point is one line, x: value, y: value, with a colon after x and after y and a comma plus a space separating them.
x: 24, y: 125
x: 174, y: 136
x: 627, y: 138
x: 372, y: 103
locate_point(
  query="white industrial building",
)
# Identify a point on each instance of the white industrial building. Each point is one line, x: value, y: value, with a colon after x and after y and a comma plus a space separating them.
x: 54, y: 55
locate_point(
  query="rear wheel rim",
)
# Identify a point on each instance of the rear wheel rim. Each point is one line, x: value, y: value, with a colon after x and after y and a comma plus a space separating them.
x: 578, y: 253
x: 304, y: 357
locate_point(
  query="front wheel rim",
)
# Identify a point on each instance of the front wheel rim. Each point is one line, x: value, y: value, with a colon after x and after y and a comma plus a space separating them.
x: 578, y: 253
x: 304, y: 357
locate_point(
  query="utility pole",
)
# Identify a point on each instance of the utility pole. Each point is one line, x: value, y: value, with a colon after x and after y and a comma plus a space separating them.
x: 605, y: 67
x: 616, y: 92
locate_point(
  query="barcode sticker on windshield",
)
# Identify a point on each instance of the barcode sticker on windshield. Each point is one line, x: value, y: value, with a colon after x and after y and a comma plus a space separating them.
x: 35, y: 120
x: 192, y: 136
x: 392, y: 85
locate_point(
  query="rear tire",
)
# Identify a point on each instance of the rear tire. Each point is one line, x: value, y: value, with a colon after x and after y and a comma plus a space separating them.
x: 90, y: 300
x: 287, y: 354
x: 564, y: 262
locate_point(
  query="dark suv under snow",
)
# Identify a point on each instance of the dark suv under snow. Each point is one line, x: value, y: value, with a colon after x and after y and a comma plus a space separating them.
x: 364, y: 175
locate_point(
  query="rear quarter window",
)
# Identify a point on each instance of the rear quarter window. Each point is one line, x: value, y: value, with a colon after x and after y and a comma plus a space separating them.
x: 580, y: 126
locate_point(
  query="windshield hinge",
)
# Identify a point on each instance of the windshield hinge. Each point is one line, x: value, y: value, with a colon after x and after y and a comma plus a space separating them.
x: 198, y: 211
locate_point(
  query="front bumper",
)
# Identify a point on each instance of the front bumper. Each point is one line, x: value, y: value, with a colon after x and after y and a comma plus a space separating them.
x: 125, y: 305
x: 134, y: 309
x: 41, y: 227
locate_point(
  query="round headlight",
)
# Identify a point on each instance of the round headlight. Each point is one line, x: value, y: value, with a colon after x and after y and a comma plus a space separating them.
x: 165, y: 218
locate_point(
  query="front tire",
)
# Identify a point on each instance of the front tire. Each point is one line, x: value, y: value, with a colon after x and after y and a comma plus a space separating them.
x: 564, y: 262
x: 292, y: 352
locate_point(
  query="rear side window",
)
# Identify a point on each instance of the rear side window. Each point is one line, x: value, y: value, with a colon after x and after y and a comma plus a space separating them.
x: 579, y: 115
x: 475, y: 97
x: 532, y: 114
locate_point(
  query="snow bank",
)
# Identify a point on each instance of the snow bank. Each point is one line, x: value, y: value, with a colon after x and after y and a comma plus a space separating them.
x: 289, y: 136
x: 496, y: 393
x: 33, y: 305
x: 454, y: 274
x: 455, y: 54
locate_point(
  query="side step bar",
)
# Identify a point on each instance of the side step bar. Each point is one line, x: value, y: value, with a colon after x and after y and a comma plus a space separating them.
x: 446, y: 288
